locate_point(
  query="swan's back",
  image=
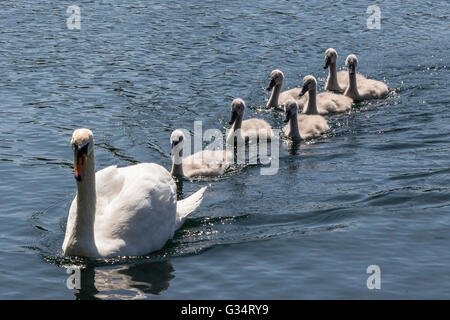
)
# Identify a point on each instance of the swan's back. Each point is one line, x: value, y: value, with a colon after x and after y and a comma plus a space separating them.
x: 372, y: 89
x: 328, y: 102
x: 312, y: 126
x: 136, y: 209
x: 207, y: 163
x: 309, y: 126
x: 254, y: 128
x: 294, y: 93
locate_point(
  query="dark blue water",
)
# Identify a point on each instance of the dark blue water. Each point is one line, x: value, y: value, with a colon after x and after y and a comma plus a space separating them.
x: 374, y: 191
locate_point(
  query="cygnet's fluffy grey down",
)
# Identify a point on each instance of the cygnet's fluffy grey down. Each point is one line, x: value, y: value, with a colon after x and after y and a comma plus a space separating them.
x: 325, y: 102
x: 365, y: 89
x: 251, y: 129
x: 277, y: 98
x: 336, y: 81
x: 304, y: 126
x: 203, y: 163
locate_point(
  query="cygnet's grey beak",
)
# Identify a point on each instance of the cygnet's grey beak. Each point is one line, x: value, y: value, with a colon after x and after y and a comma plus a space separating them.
x: 271, y: 85
x: 173, y: 145
x: 304, y: 90
x: 233, y: 117
x: 327, y: 62
x: 288, y: 116
x: 352, y: 68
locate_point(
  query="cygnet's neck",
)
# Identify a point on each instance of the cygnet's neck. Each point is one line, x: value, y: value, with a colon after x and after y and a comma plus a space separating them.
x: 311, y: 107
x: 294, y: 132
x: 352, y: 90
x: 235, y: 134
x: 238, y: 122
x: 332, y: 80
x: 273, y: 100
x: 177, y: 163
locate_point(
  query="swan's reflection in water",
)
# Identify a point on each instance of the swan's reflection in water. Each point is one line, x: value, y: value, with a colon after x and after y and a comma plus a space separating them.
x: 138, y: 281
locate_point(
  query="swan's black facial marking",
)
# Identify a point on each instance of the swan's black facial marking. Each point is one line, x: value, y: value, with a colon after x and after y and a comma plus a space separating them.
x: 80, y: 160
x: 79, y: 152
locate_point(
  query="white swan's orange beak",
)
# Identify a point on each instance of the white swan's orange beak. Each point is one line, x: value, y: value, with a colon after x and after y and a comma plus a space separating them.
x: 80, y: 166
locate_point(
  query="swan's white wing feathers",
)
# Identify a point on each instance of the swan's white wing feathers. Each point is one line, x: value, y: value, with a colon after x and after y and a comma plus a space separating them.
x: 188, y: 205
x: 139, y: 213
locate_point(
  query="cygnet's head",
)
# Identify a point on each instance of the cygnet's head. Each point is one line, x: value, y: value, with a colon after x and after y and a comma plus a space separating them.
x: 82, y: 145
x: 276, y: 78
x: 290, y: 109
x: 351, y: 62
x: 330, y: 57
x: 237, y: 109
x: 309, y: 83
x: 177, y: 141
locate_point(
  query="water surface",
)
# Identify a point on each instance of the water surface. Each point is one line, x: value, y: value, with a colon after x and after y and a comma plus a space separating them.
x: 375, y: 190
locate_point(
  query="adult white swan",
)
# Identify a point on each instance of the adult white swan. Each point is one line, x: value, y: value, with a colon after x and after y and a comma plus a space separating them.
x: 336, y: 81
x: 121, y: 211
x: 364, y: 89
x: 203, y: 163
x: 324, y: 102
x: 277, y: 98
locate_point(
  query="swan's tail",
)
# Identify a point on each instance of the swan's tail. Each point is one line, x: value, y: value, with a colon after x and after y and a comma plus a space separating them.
x: 188, y: 205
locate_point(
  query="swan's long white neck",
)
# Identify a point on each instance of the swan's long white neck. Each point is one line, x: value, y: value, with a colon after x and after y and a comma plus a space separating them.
x: 311, y: 107
x: 273, y: 100
x: 177, y: 164
x: 332, y: 81
x: 294, y: 132
x: 82, y: 241
x: 352, y: 90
